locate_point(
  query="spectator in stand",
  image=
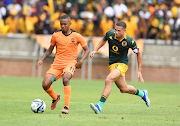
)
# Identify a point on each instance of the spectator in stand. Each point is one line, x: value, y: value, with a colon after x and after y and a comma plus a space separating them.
x: 175, y: 9
x: 131, y: 27
x: 167, y: 13
x: 29, y: 2
x: 2, y: 11
x: 90, y: 5
x: 39, y: 5
x: 165, y: 33
x: 106, y: 22
x: 144, y: 16
x: 12, y: 22
x: 57, y: 14
x: 156, y: 25
x: 40, y: 25
x: 88, y: 27
x: 14, y: 8
x: 31, y: 21
x: 120, y: 8
x: 152, y: 10
x: 27, y: 7
x: 47, y: 22
x: 68, y: 6
x: 82, y: 4
x: 55, y: 19
x: 175, y: 28
x: 142, y: 28
x: 22, y: 25
x: 98, y: 10
x: 118, y: 18
x: 3, y: 27
x: 76, y: 24
x: 25, y: 25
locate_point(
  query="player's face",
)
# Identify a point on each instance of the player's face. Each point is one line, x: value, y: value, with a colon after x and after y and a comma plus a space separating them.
x: 65, y: 24
x: 119, y: 31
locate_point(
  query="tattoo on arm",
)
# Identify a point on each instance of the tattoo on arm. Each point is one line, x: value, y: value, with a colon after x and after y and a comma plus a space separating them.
x: 47, y: 53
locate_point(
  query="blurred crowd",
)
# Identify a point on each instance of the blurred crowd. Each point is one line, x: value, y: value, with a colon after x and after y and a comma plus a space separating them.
x: 148, y: 19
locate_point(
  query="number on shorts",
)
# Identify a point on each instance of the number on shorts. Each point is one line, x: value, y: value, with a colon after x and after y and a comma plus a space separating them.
x: 72, y: 69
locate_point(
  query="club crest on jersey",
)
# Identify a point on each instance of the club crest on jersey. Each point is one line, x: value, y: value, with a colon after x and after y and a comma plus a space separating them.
x: 73, y: 40
x: 124, y: 43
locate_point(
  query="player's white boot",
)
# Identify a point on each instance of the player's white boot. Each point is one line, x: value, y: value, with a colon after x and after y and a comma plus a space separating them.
x: 145, y: 97
x: 96, y: 108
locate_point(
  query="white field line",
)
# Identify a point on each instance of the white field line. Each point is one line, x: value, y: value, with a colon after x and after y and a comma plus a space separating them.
x: 87, y: 103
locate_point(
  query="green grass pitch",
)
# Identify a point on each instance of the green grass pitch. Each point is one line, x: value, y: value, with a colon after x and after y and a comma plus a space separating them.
x: 17, y: 93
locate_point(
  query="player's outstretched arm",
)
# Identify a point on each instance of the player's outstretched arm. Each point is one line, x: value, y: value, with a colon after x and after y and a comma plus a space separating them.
x: 139, y: 59
x: 47, y: 53
x: 86, y: 53
x: 100, y: 44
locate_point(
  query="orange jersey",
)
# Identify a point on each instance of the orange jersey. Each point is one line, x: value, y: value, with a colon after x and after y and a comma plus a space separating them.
x: 66, y: 46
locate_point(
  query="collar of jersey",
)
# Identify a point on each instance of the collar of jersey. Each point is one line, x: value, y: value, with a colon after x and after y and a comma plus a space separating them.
x: 68, y: 34
x: 122, y: 38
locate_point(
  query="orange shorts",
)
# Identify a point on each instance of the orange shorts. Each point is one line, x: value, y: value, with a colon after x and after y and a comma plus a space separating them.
x: 59, y: 70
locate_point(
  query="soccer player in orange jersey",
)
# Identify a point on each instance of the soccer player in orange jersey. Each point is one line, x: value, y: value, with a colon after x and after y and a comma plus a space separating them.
x: 65, y: 62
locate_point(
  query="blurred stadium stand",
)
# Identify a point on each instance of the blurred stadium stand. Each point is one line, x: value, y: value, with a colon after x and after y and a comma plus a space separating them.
x: 19, y: 54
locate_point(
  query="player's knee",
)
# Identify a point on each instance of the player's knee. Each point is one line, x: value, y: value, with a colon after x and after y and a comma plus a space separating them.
x: 45, y: 85
x: 108, y: 80
x: 65, y: 81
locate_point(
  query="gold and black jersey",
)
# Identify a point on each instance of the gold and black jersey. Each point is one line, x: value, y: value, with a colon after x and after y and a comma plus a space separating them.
x: 118, y: 50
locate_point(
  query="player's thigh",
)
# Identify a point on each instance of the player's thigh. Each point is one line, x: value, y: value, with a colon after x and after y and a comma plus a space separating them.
x: 56, y: 71
x: 113, y: 75
x: 121, y: 83
x: 69, y: 70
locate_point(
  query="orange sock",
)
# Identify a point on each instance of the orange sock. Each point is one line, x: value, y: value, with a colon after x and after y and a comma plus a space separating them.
x: 67, y: 94
x: 52, y: 93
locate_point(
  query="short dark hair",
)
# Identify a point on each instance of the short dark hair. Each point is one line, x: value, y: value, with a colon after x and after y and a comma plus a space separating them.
x: 65, y: 17
x: 121, y: 23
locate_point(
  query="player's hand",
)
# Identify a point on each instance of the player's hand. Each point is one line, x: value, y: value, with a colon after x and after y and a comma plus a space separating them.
x: 140, y: 76
x: 78, y: 65
x: 93, y: 53
x: 40, y: 62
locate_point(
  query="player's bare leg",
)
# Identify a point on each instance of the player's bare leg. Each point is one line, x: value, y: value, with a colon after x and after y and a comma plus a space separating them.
x: 113, y: 75
x: 124, y: 88
x: 67, y: 92
x: 48, y: 80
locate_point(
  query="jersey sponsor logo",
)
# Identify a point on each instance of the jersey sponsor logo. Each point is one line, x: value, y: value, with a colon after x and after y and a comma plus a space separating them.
x: 124, y: 43
x: 110, y: 37
x: 115, y: 48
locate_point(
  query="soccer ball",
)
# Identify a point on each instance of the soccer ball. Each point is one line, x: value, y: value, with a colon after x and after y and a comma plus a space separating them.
x: 38, y: 106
